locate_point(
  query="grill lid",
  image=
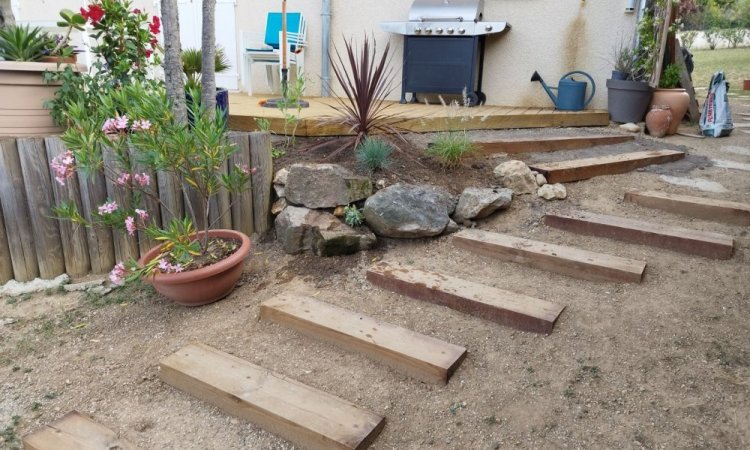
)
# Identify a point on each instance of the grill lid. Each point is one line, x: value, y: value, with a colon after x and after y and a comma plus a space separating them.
x: 446, y: 11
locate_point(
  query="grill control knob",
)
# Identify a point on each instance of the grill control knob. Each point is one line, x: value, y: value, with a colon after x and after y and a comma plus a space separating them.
x: 488, y: 28
x: 461, y: 31
x: 417, y: 30
x: 439, y: 30
x: 450, y: 30
x: 428, y: 30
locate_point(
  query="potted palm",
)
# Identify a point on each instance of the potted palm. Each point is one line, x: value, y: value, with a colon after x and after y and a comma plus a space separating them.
x: 137, y: 126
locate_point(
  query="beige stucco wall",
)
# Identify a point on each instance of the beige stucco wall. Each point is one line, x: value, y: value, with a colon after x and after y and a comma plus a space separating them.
x: 551, y: 36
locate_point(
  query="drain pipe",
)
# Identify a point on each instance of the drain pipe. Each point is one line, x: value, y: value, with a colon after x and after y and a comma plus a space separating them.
x: 325, y: 75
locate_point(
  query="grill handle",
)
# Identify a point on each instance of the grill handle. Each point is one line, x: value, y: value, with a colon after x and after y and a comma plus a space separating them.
x: 441, y: 19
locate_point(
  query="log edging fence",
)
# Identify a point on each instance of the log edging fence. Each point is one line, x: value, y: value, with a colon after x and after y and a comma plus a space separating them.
x: 35, y: 244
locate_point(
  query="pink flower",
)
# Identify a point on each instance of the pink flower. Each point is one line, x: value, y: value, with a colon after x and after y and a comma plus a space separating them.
x: 121, y: 122
x: 136, y: 11
x: 108, y: 208
x: 140, y: 125
x: 64, y: 166
x: 130, y: 225
x: 118, y: 273
x: 143, y: 179
x: 142, y: 214
x: 123, y: 179
x: 166, y: 267
x: 245, y: 169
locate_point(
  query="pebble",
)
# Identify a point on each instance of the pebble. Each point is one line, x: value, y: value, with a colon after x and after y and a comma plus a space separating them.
x: 631, y: 127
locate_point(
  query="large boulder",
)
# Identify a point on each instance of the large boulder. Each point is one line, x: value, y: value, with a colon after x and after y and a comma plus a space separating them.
x: 477, y: 203
x: 517, y: 176
x: 409, y: 211
x: 324, y: 186
x: 302, y: 229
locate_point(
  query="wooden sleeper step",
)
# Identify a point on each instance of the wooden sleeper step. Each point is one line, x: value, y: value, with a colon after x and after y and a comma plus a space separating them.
x: 569, y: 261
x: 500, y: 306
x: 692, y: 242
x: 417, y: 355
x: 549, y: 144
x: 75, y: 431
x: 582, y: 169
x: 698, y: 207
x: 306, y: 416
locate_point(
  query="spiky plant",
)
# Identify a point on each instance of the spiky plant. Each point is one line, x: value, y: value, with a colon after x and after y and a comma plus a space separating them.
x: 366, y: 81
x: 192, y: 65
x: 24, y: 43
x: 374, y: 154
x: 450, y: 148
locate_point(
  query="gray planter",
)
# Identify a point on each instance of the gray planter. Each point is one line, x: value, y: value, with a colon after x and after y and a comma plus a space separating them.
x: 627, y: 100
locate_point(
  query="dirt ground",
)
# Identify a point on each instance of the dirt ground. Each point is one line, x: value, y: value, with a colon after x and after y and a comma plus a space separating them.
x: 663, y: 364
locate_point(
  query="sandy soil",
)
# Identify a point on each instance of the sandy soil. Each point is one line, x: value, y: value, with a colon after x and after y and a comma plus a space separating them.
x: 661, y: 364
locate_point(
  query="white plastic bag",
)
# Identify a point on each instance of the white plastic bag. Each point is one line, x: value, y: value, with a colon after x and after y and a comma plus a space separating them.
x: 716, y: 120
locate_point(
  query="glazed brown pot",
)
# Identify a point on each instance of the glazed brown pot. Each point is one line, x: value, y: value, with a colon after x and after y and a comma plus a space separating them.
x: 678, y: 101
x: 658, y: 120
x: 207, y: 284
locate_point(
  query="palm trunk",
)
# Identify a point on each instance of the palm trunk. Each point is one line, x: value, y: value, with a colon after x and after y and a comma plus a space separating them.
x: 6, y: 13
x: 173, y: 76
x: 208, y: 53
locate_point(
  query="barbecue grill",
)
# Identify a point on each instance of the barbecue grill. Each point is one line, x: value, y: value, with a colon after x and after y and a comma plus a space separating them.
x: 444, y: 48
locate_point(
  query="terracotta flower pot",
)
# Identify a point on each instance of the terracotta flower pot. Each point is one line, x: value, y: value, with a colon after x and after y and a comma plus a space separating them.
x: 746, y: 85
x: 658, y: 120
x: 678, y: 101
x: 72, y: 59
x: 207, y: 284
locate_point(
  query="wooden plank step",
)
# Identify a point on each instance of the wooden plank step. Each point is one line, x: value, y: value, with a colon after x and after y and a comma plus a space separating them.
x: 582, y: 169
x: 306, y: 416
x: 75, y: 431
x: 420, y: 356
x: 698, y: 207
x: 684, y: 240
x: 569, y: 261
x: 549, y: 144
x: 504, y: 307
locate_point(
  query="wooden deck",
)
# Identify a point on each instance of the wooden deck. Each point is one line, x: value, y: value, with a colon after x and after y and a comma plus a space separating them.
x: 319, y: 118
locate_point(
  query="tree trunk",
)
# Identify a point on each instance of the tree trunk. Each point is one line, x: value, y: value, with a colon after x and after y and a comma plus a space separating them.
x: 208, y: 54
x: 173, y: 76
x: 6, y: 13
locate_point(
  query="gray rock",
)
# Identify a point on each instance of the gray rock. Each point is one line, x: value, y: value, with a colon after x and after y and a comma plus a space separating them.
x: 302, y: 229
x: 477, y: 203
x: 451, y: 228
x: 281, y: 176
x: 278, y: 206
x: 15, y: 288
x: 517, y: 176
x: 552, y: 192
x: 541, y: 180
x: 280, y: 190
x: 409, y: 211
x: 325, y: 186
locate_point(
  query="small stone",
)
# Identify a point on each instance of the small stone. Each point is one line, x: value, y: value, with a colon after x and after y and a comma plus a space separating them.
x: 451, y: 228
x: 631, y: 127
x: 540, y: 179
x: 280, y: 190
x: 517, y: 176
x: 381, y: 183
x: 552, y: 191
x: 477, y: 203
x: 7, y: 321
x: 281, y: 177
x: 339, y: 211
x: 278, y: 206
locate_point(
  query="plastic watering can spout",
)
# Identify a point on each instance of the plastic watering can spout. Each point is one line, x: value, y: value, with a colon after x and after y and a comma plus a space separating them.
x: 548, y: 89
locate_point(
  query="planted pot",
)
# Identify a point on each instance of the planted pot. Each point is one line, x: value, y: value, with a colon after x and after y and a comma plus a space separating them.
x: 678, y: 101
x: 658, y: 120
x: 627, y: 100
x: 617, y: 75
x: 22, y: 96
x: 222, y: 103
x: 207, y: 284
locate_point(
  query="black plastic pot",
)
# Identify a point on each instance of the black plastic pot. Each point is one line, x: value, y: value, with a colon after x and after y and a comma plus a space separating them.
x: 222, y: 103
x: 617, y: 75
x: 627, y: 100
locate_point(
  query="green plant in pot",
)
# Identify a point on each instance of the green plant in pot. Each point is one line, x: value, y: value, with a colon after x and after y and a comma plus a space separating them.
x: 130, y: 138
x: 192, y: 65
x: 672, y: 95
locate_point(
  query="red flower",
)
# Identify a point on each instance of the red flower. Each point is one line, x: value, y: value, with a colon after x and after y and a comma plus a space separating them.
x: 136, y: 11
x: 153, y: 42
x: 155, y: 25
x: 94, y: 14
x: 149, y: 52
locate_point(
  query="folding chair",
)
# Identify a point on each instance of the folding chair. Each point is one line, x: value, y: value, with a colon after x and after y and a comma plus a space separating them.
x: 269, y: 51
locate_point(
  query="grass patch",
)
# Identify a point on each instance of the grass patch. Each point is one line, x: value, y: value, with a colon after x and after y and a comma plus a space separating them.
x: 374, y: 154
x: 451, y: 147
x: 735, y: 62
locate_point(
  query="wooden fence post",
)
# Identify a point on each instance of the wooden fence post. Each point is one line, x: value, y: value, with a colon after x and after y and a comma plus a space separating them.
x: 38, y: 184
x: 126, y: 246
x: 101, y: 245
x: 6, y: 265
x: 242, y: 202
x: 170, y: 194
x: 221, y: 212
x: 73, y: 236
x: 150, y: 201
x: 262, y: 160
x: 16, y: 213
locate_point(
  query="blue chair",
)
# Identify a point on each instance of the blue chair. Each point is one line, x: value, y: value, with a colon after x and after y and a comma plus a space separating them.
x: 268, y: 52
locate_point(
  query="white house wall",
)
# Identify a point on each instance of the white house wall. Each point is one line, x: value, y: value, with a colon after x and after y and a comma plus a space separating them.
x: 551, y: 36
